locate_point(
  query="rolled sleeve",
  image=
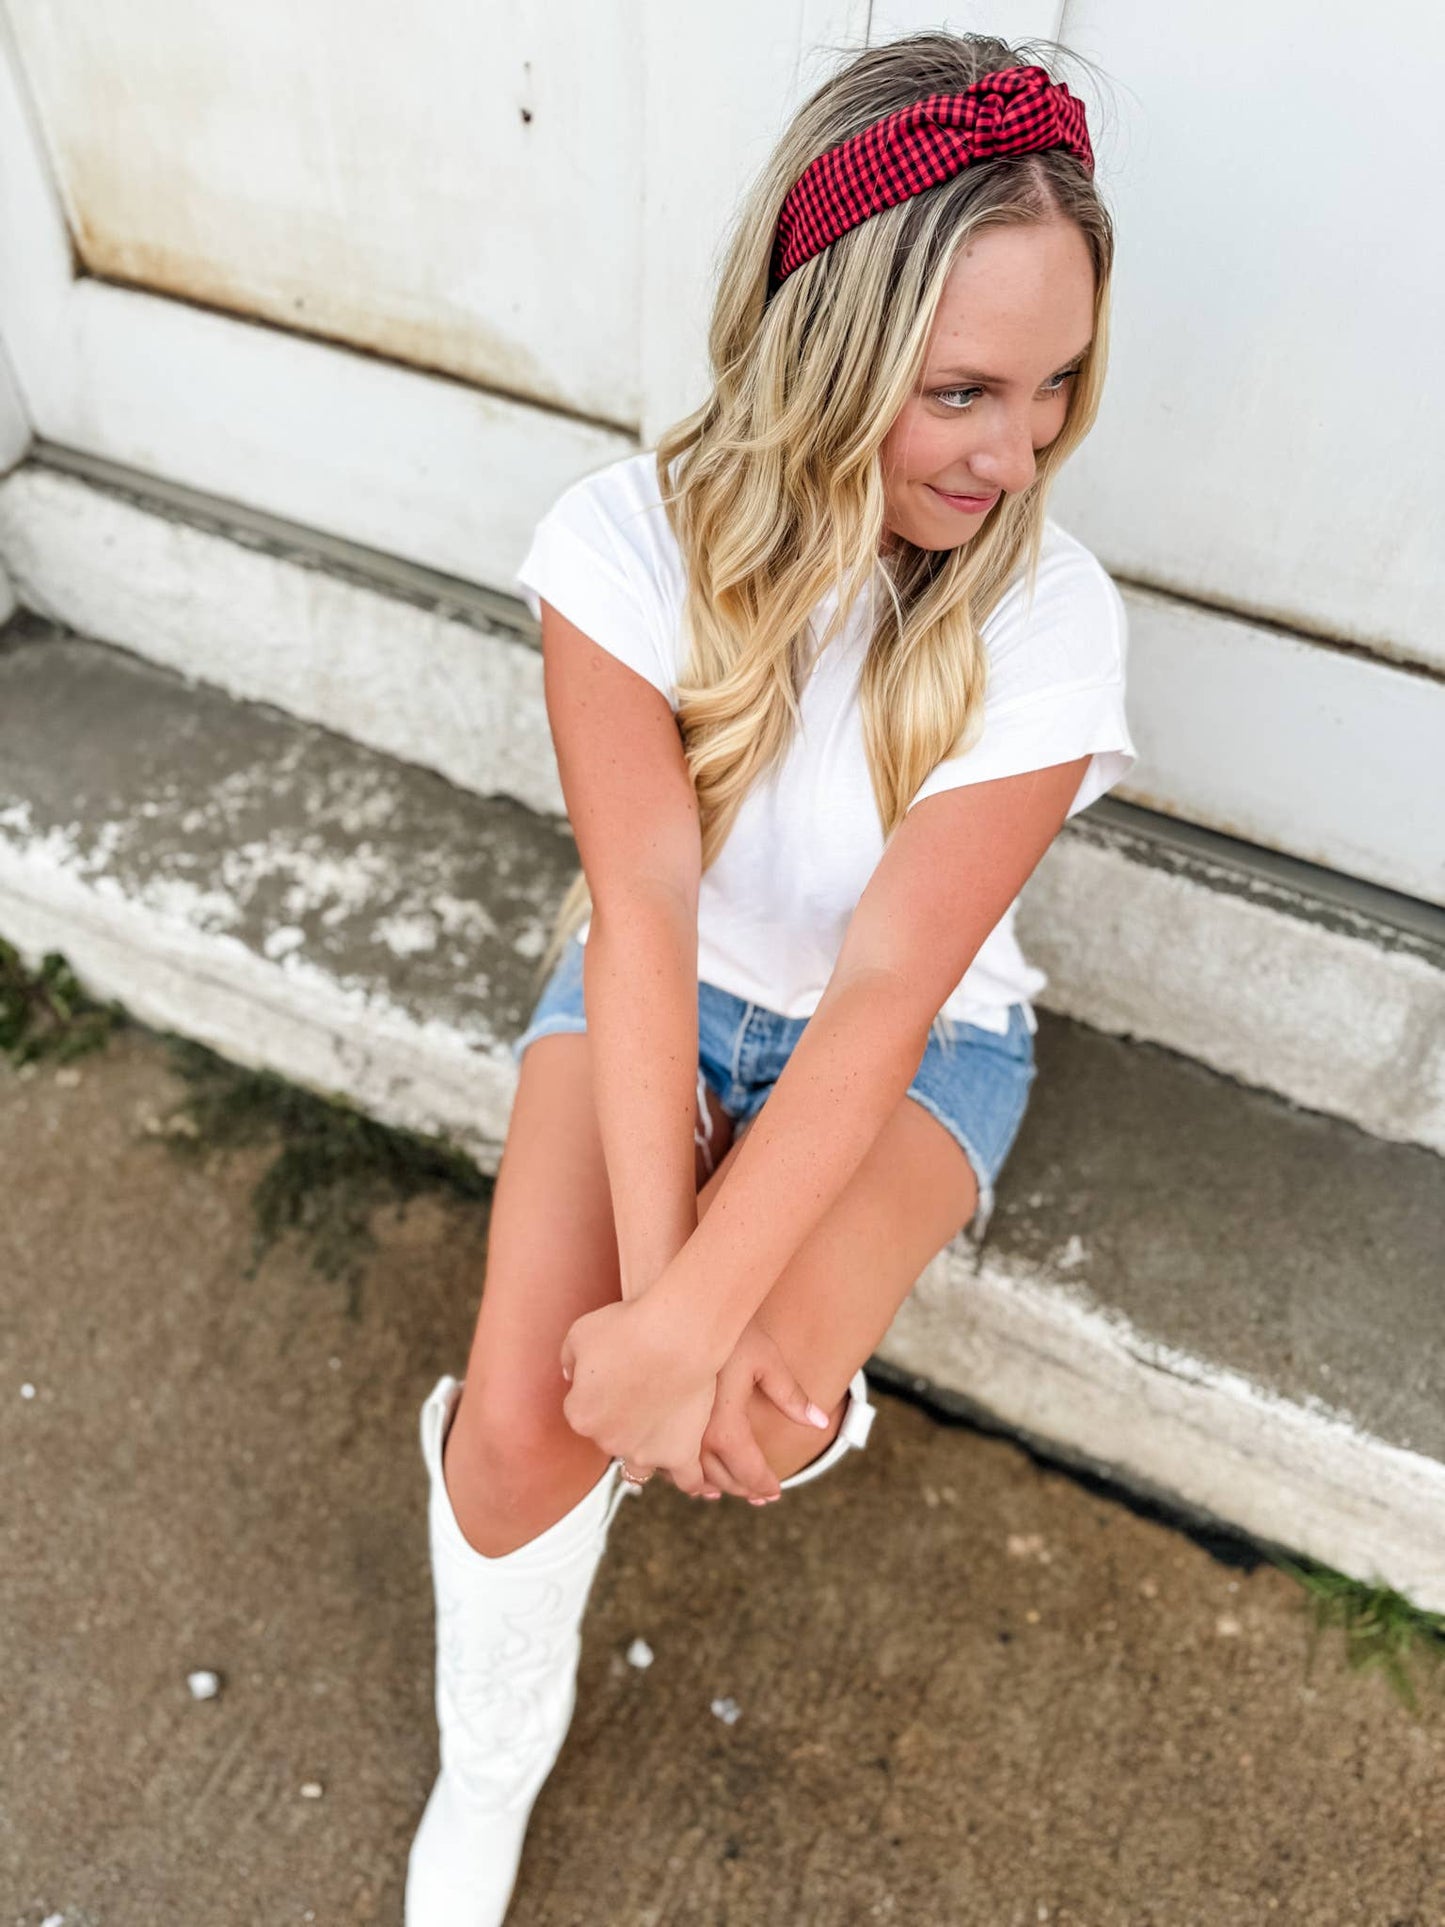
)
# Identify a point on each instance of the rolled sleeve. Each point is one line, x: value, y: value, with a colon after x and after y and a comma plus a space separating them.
x: 1036, y: 732
x: 573, y: 563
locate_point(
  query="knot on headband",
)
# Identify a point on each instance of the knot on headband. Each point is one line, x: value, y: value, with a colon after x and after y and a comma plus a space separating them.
x: 1017, y: 110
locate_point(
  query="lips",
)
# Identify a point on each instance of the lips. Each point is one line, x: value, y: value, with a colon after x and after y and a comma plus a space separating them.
x: 967, y: 504
x: 968, y: 501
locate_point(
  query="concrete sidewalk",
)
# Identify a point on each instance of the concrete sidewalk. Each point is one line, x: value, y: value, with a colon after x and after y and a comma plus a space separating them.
x: 973, y: 1692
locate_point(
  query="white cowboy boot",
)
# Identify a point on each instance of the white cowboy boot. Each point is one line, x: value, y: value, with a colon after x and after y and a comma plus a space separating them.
x: 508, y: 1638
x: 852, y: 1434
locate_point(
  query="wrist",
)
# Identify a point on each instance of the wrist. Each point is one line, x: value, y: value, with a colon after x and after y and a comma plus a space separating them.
x: 644, y: 1255
x: 683, y: 1321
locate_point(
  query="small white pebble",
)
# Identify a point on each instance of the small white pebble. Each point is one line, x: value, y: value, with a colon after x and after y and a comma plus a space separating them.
x: 639, y: 1653
x: 53, y: 1920
x: 334, y: 1363
x: 930, y: 1497
x: 728, y: 1711
x: 1149, y: 1588
x: 1032, y: 1616
x: 1025, y: 1545
x: 67, y: 1077
x: 311, y: 1789
x: 948, y: 1495
x: 27, y: 1390
x: 204, y: 1685
x: 1227, y: 1626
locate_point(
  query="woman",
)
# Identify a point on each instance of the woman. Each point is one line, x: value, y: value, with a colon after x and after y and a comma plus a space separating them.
x: 824, y: 684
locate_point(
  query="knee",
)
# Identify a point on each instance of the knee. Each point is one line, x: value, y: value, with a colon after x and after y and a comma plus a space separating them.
x: 786, y: 1445
x: 511, y: 1470
x: 519, y: 1436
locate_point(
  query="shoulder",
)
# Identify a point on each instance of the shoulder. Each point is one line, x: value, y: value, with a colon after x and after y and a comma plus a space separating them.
x: 604, y: 555
x: 616, y: 516
x: 1068, y: 627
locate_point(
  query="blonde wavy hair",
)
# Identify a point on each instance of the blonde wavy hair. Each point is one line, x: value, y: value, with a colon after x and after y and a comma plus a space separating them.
x: 773, y: 487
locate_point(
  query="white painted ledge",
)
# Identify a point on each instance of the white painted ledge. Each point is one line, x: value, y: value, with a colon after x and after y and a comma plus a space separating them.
x: 1327, y: 1017
x: 1041, y: 1356
x: 284, y: 1016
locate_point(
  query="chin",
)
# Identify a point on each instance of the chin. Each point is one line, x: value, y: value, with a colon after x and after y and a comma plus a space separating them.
x: 938, y: 542
x: 920, y: 538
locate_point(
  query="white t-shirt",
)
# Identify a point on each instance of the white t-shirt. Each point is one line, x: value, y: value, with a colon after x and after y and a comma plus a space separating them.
x: 775, y: 903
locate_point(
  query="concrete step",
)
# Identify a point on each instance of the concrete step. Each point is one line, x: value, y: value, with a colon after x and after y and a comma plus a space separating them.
x: 1197, y: 1288
x: 1322, y: 990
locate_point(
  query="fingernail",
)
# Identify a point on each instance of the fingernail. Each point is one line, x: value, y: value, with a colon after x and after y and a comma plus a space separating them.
x: 816, y: 1414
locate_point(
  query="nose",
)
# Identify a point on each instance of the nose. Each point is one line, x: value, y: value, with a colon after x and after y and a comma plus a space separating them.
x: 1006, y: 458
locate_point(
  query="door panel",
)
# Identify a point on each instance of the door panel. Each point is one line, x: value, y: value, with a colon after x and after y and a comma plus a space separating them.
x: 1279, y: 308
x: 458, y: 189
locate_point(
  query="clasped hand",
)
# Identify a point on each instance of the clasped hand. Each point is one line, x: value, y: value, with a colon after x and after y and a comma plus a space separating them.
x: 643, y: 1392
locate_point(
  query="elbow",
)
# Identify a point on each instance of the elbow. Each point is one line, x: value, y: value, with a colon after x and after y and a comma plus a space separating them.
x: 889, y: 1002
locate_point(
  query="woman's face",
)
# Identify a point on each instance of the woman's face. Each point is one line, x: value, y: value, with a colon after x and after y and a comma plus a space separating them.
x: 1016, y: 315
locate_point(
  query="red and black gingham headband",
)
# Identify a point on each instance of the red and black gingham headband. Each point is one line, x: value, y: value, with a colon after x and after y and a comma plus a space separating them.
x: 1016, y: 110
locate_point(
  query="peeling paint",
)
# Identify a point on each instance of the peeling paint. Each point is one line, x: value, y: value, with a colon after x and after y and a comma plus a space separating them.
x: 318, y: 855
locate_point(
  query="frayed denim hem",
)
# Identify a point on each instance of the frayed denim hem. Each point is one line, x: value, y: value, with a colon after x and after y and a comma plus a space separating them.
x: 977, y: 1226
x: 560, y: 1026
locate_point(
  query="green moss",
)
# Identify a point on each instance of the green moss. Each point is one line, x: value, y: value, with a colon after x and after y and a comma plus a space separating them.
x: 1383, y: 1630
x: 45, y: 1013
x: 333, y: 1166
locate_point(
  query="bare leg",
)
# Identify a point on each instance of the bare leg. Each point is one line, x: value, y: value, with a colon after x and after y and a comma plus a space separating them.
x: 513, y: 1465
x: 833, y: 1303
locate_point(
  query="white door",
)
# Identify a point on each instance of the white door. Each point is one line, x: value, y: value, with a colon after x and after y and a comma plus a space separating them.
x: 399, y: 278
x: 402, y: 282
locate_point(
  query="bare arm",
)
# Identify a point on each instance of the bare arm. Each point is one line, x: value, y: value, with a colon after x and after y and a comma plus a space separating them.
x: 633, y: 811
x: 948, y: 874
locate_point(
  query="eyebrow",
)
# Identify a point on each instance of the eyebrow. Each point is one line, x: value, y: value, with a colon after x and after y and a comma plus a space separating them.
x: 1000, y: 381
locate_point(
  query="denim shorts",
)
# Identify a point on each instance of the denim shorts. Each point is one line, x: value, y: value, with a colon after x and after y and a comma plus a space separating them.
x: 977, y: 1086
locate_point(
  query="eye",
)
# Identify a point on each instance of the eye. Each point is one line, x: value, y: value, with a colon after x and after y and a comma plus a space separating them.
x: 1054, y: 386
